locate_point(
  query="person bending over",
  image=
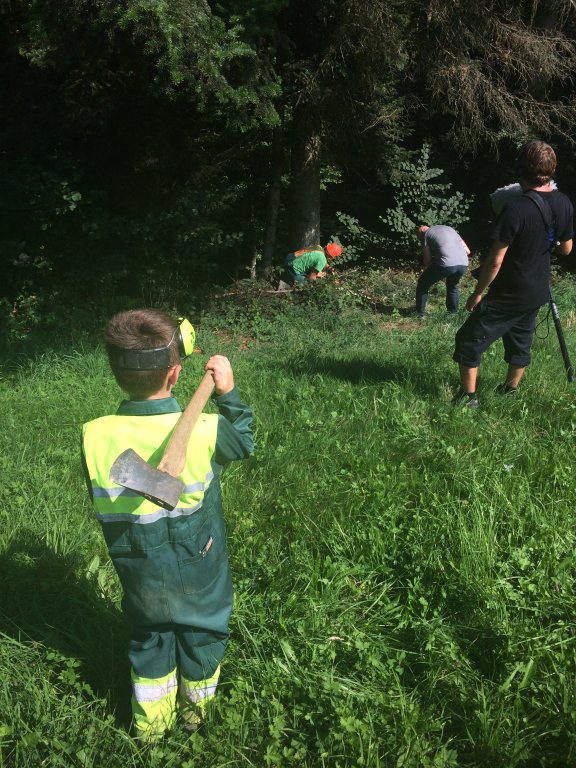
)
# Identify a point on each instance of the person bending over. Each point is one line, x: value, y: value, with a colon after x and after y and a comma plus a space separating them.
x: 310, y: 263
x: 445, y: 256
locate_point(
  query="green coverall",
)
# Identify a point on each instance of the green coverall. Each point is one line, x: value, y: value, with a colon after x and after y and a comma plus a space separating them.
x: 173, y: 565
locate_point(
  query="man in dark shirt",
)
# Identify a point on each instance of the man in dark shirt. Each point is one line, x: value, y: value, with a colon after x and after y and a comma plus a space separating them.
x: 516, y: 273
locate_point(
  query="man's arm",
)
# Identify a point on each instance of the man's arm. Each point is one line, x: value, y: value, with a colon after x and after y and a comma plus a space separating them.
x: 490, y: 268
x: 426, y: 258
x: 235, y: 439
x: 564, y: 248
x: 317, y: 267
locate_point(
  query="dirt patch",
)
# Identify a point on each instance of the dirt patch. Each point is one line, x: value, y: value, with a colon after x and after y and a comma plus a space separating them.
x: 242, y: 342
x: 389, y: 325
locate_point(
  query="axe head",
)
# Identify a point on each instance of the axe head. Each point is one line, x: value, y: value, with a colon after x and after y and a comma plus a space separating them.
x: 132, y: 472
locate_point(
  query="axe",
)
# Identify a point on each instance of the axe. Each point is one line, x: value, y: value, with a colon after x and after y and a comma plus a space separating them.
x: 162, y: 486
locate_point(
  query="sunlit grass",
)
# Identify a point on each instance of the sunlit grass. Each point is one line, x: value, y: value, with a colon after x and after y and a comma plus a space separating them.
x: 404, y: 570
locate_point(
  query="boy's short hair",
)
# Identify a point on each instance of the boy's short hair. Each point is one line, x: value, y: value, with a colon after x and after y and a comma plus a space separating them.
x: 140, y: 329
x: 536, y: 163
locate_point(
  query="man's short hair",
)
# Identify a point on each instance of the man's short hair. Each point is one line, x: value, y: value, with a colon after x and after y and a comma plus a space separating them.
x: 141, y: 329
x: 536, y: 163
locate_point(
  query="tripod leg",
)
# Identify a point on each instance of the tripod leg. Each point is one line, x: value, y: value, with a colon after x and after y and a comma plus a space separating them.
x: 561, y: 340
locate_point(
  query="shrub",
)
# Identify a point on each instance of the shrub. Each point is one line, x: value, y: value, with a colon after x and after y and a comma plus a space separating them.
x: 420, y: 200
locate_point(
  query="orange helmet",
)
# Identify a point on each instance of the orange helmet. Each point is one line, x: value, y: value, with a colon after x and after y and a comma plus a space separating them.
x: 333, y: 250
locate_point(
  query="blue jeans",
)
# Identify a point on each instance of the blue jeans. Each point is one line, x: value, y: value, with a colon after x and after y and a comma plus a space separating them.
x: 433, y: 275
x: 290, y: 275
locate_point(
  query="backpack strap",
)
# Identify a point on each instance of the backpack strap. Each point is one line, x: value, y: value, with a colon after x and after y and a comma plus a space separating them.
x: 547, y: 214
x: 302, y: 251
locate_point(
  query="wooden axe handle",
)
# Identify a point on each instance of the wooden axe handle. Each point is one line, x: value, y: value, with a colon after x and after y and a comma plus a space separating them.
x: 174, y: 458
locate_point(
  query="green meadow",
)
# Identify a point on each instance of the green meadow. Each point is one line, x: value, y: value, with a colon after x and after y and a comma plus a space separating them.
x: 404, y: 569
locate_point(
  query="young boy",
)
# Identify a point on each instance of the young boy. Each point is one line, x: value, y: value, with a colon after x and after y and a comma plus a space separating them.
x: 173, y: 566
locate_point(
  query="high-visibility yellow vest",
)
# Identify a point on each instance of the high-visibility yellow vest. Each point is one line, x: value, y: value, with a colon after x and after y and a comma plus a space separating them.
x: 104, y: 439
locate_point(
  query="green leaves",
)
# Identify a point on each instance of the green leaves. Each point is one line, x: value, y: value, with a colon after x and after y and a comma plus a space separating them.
x: 420, y: 200
x: 207, y: 55
x: 357, y: 239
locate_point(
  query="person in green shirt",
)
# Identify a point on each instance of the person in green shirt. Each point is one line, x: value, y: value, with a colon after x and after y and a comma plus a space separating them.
x: 309, y: 263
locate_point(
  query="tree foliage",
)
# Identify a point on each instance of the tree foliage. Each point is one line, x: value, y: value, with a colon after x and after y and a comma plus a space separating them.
x: 184, y: 137
x: 342, y: 88
x: 498, y: 69
x: 419, y: 198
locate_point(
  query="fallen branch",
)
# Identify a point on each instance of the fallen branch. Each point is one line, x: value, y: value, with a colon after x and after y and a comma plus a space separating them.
x: 246, y: 295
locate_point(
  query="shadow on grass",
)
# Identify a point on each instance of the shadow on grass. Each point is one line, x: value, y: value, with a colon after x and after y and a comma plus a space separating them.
x: 45, y: 601
x: 365, y: 371
x: 17, y: 353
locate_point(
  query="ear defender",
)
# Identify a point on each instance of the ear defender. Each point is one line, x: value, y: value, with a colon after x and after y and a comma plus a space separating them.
x: 159, y: 358
x: 186, y: 337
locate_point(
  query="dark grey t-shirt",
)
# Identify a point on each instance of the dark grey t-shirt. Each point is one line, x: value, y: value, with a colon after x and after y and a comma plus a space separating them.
x: 446, y: 246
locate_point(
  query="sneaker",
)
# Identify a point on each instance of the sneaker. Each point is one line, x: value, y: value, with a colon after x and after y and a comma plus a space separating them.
x: 505, y: 389
x: 466, y: 399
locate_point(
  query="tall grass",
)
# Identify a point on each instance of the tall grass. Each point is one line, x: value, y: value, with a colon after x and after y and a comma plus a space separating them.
x: 404, y: 570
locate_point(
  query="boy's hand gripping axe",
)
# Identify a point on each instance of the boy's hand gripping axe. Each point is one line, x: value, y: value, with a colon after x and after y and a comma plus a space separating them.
x: 162, y: 485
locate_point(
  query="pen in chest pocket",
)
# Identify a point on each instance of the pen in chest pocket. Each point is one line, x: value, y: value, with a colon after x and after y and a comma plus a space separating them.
x: 206, y: 548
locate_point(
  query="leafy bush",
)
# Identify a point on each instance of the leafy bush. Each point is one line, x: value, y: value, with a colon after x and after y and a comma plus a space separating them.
x: 358, y: 239
x: 420, y: 200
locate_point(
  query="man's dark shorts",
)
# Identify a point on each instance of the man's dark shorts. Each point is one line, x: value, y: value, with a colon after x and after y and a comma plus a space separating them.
x: 487, y: 324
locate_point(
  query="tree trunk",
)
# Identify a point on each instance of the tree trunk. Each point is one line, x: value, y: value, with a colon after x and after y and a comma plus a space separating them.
x: 273, y: 201
x: 251, y: 241
x: 305, y: 186
x: 548, y: 15
x: 547, y: 19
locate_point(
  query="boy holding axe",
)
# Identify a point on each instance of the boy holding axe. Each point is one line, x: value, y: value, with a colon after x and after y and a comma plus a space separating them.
x: 170, y: 555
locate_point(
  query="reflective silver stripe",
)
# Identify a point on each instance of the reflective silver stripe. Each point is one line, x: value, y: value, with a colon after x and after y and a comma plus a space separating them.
x: 194, y: 487
x: 155, y: 691
x: 196, y: 695
x: 112, y: 493
x: 127, y: 517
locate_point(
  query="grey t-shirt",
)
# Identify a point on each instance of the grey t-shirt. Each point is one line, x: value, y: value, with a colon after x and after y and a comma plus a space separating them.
x: 446, y: 246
